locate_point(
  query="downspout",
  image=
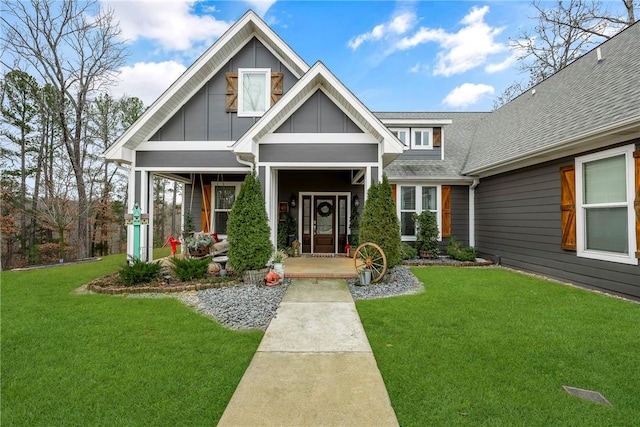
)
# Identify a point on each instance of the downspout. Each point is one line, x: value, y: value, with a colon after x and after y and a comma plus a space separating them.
x: 472, y: 211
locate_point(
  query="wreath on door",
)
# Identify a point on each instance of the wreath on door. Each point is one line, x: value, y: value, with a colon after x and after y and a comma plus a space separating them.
x: 324, y: 209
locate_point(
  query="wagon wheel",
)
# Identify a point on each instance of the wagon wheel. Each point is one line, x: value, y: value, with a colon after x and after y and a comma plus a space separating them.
x: 371, y: 256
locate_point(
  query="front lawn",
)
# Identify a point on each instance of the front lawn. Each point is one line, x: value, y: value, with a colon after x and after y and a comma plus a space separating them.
x: 70, y: 359
x: 486, y: 346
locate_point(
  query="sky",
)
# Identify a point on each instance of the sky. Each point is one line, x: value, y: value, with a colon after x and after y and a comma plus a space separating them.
x: 394, y: 56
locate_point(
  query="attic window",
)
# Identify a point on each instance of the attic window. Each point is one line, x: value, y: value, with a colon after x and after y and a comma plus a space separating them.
x: 402, y: 134
x: 422, y: 139
x: 254, y: 91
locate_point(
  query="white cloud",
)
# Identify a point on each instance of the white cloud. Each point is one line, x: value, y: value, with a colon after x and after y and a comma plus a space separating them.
x: 147, y: 80
x: 172, y: 24
x: 467, y: 94
x: 463, y: 50
x: 419, y: 68
x: 399, y: 24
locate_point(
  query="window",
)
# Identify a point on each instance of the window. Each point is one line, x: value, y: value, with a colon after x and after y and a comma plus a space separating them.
x: 422, y: 139
x: 415, y: 199
x: 223, y: 199
x: 402, y: 134
x: 605, y: 219
x: 254, y: 91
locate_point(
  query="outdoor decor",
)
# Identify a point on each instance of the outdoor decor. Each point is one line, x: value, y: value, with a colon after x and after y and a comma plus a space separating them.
x: 136, y: 219
x: 370, y: 258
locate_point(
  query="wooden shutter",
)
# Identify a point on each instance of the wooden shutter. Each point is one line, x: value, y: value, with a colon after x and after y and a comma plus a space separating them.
x: 276, y: 87
x: 206, y: 208
x: 231, y: 100
x: 446, y: 211
x: 437, y: 137
x: 568, y: 207
x: 393, y: 193
x: 636, y: 204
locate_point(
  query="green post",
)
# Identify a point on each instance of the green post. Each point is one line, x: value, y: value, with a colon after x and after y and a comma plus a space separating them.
x: 136, y: 230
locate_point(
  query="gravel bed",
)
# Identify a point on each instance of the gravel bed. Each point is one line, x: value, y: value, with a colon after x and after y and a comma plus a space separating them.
x: 252, y: 307
x: 398, y: 281
x: 237, y: 307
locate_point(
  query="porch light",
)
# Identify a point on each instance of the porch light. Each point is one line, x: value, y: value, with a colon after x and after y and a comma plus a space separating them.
x: 293, y: 200
x: 356, y: 201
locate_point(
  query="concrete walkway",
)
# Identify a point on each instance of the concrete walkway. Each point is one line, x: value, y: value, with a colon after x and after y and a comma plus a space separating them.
x: 314, y: 366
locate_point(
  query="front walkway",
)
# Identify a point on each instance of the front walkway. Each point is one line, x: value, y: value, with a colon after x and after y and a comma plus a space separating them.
x: 314, y: 366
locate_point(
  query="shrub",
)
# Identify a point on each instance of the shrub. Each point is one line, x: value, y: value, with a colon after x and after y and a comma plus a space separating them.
x: 138, y: 271
x: 380, y: 223
x: 427, y: 234
x: 248, y: 229
x: 408, y: 251
x: 190, y: 268
x: 458, y: 252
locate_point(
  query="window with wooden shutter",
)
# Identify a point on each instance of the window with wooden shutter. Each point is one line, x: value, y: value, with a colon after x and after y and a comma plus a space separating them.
x: 437, y: 137
x: 276, y: 87
x: 446, y: 211
x: 568, y: 207
x: 231, y: 99
x: 636, y: 203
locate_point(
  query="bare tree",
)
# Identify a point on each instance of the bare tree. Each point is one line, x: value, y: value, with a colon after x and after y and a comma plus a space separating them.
x: 75, y: 48
x: 563, y: 33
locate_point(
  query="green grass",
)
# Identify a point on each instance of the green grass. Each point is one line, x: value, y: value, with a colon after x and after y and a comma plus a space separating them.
x: 70, y: 359
x: 492, y: 347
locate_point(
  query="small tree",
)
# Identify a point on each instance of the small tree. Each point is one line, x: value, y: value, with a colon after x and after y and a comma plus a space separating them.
x: 427, y: 237
x: 248, y: 229
x: 380, y: 223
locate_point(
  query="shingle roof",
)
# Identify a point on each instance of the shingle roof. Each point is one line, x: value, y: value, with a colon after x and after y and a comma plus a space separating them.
x: 581, y: 99
x: 457, y: 138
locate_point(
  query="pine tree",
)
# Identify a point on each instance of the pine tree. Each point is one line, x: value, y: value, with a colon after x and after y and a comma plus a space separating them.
x: 248, y: 228
x: 380, y: 223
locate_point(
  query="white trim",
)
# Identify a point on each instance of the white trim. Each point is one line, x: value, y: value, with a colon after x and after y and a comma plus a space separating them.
x: 318, y: 138
x: 417, y: 122
x: 266, y: 73
x: 418, y: 205
x: 237, y: 170
x: 185, y: 146
x: 212, y: 203
x: 312, y: 165
x: 472, y: 216
x: 428, y: 131
x: 582, y: 251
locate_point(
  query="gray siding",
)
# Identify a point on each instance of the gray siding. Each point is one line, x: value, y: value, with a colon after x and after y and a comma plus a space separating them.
x: 433, y: 154
x: 460, y: 213
x: 319, y: 115
x: 180, y: 159
x: 203, y: 117
x: 518, y: 222
x: 314, y: 153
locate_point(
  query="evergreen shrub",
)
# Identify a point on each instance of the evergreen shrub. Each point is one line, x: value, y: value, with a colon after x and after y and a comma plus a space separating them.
x: 380, y: 223
x: 190, y: 268
x: 138, y: 271
x: 427, y: 234
x: 408, y: 251
x: 458, y: 252
x: 248, y: 230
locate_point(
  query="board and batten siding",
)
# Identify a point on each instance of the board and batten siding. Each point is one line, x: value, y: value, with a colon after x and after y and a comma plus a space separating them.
x: 204, y: 116
x: 460, y: 213
x: 318, y: 114
x: 518, y: 223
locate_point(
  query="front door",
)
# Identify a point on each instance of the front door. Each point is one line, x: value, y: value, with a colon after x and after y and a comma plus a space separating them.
x: 324, y: 223
x: 324, y: 238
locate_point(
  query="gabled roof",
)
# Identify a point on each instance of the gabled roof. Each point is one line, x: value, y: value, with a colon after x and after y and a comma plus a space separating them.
x: 587, y: 105
x: 458, y: 130
x: 198, y: 74
x: 319, y: 78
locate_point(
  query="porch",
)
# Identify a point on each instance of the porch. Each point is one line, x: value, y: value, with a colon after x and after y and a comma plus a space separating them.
x: 320, y: 267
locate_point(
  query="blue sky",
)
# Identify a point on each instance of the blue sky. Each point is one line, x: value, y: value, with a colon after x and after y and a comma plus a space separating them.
x: 394, y: 56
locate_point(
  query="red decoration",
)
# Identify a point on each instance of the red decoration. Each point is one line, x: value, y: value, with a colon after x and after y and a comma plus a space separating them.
x: 272, y: 278
x: 174, y: 244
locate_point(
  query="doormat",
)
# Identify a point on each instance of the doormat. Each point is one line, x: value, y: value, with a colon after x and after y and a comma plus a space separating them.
x: 591, y: 395
x: 326, y: 255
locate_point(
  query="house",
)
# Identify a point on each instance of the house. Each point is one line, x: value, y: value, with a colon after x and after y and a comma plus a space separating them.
x: 546, y: 183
